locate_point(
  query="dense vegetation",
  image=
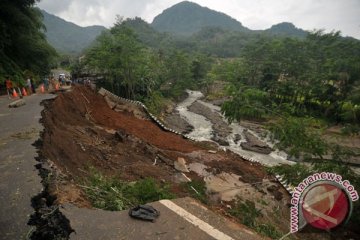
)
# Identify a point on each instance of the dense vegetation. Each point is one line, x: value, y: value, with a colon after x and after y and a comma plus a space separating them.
x: 133, y: 70
x: 24, y: 50
x: 299, y: 88
x: 318, y: 76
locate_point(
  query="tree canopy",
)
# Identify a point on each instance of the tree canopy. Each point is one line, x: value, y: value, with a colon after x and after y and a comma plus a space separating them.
x: 23, y: 46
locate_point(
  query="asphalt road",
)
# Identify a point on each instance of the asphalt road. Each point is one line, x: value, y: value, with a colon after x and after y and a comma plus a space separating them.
x: 19, y: 180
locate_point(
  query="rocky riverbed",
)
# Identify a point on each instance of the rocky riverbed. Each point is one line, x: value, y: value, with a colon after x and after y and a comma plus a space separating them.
x: 208, y: 124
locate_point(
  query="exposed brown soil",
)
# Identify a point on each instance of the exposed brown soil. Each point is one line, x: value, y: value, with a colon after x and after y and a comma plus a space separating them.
x: 81, y: 131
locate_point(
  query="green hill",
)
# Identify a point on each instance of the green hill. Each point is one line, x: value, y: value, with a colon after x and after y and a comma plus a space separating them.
x: 67, y: 37
x: 186, y: 18
x: 185, y: 25
x: 286, y: 29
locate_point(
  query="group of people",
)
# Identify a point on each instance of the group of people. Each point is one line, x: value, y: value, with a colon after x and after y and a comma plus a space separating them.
x: 29, y: 85
x: 11, y: 87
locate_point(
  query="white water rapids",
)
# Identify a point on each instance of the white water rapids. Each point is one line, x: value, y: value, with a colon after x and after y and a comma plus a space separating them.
x: 203, y: 131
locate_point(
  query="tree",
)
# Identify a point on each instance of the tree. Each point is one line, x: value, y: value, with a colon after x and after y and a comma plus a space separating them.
x: 23, y: 46
x: 119, y: 56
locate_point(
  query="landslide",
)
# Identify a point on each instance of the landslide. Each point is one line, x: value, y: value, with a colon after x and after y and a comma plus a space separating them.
x: 82, y: 132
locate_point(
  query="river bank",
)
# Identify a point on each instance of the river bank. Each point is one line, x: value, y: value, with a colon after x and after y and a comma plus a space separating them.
x: 245, y: 139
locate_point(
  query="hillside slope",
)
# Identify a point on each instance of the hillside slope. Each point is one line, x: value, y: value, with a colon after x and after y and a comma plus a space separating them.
x: 67, y: 37
x: 186, y: 18
x: 286, y: 29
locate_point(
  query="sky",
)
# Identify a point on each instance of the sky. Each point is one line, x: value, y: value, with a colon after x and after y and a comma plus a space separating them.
x: 338, y: 15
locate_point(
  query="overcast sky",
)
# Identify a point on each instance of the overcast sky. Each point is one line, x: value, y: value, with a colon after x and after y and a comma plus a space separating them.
x: 343, y: 15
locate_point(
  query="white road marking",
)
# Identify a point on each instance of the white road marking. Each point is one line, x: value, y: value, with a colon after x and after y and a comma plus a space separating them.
x: 210, y: 230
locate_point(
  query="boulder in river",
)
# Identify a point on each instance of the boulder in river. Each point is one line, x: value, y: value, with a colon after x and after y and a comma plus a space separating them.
x: 254, y: 144
x: 237, y: 138
x: 220, y: 140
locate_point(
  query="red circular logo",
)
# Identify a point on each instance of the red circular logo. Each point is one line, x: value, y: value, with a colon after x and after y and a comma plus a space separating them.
x: 325, y: 206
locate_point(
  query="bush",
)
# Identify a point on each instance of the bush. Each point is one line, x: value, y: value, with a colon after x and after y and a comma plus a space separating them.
x: 296, y: 136
x: 147, y: 190
x: 115, y: 195
x: 200, y: 188
x: 268, y: 230
x: 246, y: 212
x: 155, y: 102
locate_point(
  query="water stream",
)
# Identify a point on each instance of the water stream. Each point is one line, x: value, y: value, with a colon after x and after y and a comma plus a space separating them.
x: 224, y: 185
x: 202, y: 126
x: 203, y: 131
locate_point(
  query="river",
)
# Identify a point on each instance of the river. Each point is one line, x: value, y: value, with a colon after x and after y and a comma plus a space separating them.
x: 203, y: 131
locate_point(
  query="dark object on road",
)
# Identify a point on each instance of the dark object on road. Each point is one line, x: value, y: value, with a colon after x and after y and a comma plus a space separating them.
x: 144, y: 212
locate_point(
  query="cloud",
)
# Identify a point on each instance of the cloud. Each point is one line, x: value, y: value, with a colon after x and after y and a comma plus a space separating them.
x: 255, y: 14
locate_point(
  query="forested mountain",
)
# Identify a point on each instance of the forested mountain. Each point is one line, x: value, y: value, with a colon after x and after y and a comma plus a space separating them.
x: 286, y: 29
x: 186, y: 18
x: 67, y: 37
x: 186, y: 25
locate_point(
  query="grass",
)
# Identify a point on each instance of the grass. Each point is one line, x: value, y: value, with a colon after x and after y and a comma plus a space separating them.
x: 248, y: 215
x: 199, y: 192
x: 111, y: 193
x: 262, y: 202
x: 268, y: 230
x: 246, y: 212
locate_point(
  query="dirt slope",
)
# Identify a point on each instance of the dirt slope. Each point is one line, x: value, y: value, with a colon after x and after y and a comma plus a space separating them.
x: 81, y: 132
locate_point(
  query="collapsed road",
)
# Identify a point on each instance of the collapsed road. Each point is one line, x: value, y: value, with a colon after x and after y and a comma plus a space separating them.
x: 84, y: 131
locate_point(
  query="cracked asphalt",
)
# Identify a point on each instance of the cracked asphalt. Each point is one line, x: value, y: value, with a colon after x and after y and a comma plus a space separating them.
x: 19, y: 180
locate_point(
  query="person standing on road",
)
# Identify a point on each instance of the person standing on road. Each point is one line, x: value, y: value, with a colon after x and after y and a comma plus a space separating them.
x: 32, y: 86
x: 46, y: 83
x: 28, y: 86
x: 9, y: 86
